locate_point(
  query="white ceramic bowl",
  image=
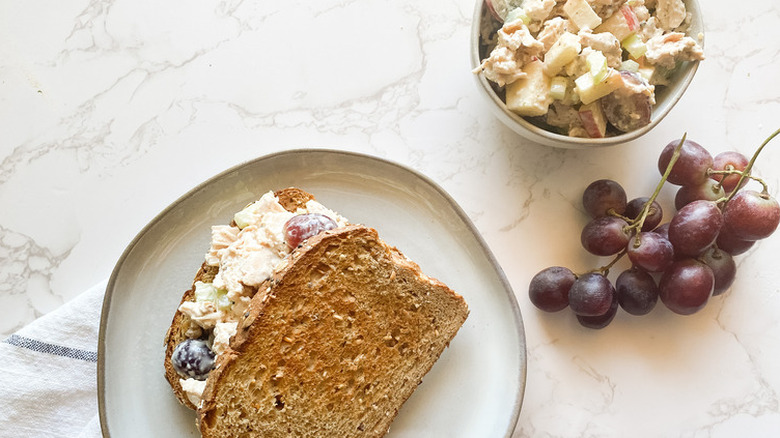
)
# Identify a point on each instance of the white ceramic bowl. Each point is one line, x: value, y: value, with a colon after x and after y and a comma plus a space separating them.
x: 666, y: 97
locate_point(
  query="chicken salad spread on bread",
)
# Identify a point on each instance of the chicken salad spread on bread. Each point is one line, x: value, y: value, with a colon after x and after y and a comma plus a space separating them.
x: 246, y: 253
x: 299, y: 323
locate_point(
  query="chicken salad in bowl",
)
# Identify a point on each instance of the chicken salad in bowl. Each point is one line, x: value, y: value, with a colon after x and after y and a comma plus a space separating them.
x: 596, y: 70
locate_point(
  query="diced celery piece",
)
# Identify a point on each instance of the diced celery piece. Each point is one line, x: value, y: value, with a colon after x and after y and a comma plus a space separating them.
x: 558, y: 87
x: 634, y: 45
x: 207, y: 292
x: 517, y: 13
x: 597, y: 64
x: 629, y: 65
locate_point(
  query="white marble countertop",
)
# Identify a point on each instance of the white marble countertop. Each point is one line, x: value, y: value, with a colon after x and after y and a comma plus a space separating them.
x: 110, y: 110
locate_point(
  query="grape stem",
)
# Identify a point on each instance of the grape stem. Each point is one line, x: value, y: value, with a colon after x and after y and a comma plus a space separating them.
x: 604, y: 270
x: 746, y: 172
x: 640, y: 219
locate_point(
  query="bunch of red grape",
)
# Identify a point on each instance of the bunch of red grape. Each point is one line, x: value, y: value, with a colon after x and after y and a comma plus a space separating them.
x: 684, y: 261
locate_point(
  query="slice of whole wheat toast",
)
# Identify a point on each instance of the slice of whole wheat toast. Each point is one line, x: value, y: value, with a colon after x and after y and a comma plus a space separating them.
x: 291, y: 199
x: 333, y: 344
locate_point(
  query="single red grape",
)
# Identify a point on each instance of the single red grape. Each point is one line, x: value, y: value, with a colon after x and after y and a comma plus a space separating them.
x: 636, y: 291
x: 603, y: 195
x: 729, y: 160
x: 600, y: 321
x: 686, y: 286
x: 605, y: 236
x: 690, y: 168
x: 695, y: 227
x: 591, y: 295
x: 193, y: 358
x: 650, y: 251
x: 751, y: 215
x: 723, y: 268
x: 709, y: 190
x: 654, y: 215
x: 732, y: 244
x: 549, y: 289
x: 663, y: 230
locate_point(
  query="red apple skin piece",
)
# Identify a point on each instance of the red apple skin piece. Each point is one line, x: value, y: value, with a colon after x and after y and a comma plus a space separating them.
x: 593, y: 120
x: 631, y: 20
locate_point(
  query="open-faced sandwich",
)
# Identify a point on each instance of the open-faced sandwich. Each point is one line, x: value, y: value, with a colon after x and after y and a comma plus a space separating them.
x: 299, y: 323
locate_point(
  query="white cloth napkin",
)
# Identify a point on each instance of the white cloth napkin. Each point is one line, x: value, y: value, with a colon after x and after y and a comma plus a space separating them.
x: 48, y: 373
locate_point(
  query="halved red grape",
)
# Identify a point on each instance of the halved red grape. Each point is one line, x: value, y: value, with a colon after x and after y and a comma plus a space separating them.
x: 686, y: 286
x: 751, y: 215
x: 729, y: 160
x: 690, y: 168
x: 603, y: 195
x: 709, y: 190
x: 654, y: 215
x: 605, y: 235
x: 695, y: 227
x: 650, y: 251
x: 300, y: 227
x: 591, y: 295
x: 636, y: 291
x: 723, y: 268
x: 549, y: 289
x: 626, y: 109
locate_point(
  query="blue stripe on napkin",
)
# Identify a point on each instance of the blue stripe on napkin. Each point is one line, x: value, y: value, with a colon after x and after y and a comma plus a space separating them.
x: 58, y: 350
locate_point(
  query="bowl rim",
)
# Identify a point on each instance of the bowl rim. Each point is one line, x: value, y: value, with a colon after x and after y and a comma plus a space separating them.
x: 540, y: 135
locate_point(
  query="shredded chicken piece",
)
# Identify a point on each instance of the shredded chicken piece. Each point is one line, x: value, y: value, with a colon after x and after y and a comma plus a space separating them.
x: 604, y: 42
x: 516, y: 47
x: 552, y: 31
x: 605, y: 8
x: 221, y: 237
x: 667, y: 50
x: 670, y: 13
x: 563, y: 116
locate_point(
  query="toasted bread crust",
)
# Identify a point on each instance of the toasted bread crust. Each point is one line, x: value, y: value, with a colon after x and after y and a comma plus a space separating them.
x: 333, y: 344
x: 291, y: 199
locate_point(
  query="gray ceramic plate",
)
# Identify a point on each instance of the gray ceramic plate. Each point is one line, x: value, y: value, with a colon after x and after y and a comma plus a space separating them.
x: 476, y: 387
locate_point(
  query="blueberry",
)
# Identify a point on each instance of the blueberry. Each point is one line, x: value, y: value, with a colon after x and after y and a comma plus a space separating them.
x: 193, y: 358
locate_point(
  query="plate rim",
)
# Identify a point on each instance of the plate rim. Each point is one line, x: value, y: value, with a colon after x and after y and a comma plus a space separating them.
x: 507, y: 288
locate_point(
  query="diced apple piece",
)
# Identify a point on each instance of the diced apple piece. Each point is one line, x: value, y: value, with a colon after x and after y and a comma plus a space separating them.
x: 581, y: 14
x: 530, y: 96
x: 622, y: 23
x: 593, y: 120
x: 629, y: 65
x: 564, y: 51
x: 590, y: 90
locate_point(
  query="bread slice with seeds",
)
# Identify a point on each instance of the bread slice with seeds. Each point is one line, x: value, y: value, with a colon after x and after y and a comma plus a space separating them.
x: 333, y: 344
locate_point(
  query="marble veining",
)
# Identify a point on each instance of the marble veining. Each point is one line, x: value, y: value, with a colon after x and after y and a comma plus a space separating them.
x: 112, y: 109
